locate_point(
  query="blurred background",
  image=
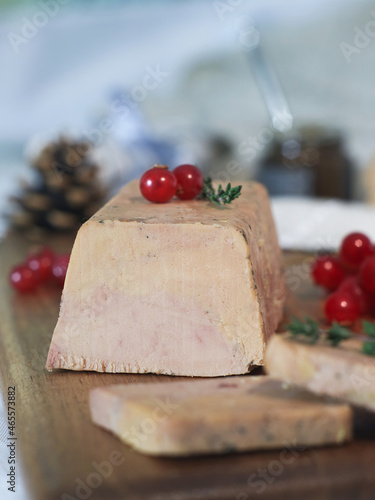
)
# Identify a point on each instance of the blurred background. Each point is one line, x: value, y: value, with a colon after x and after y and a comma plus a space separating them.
x: 276, y: 90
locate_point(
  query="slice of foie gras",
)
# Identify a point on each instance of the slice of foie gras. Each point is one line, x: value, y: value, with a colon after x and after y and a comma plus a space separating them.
x: 342, y: 372
x: 218, y: 416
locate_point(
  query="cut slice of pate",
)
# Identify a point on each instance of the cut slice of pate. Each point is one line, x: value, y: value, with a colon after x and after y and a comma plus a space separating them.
x: 342, y: 372
x: 218, y: 416
x: 183, y: 288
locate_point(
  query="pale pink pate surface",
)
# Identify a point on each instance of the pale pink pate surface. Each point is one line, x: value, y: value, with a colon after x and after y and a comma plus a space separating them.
x: 181, y: 288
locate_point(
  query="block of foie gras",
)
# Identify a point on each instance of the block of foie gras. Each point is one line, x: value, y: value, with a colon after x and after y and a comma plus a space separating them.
x: 180, y: 288
x: 218, y: 416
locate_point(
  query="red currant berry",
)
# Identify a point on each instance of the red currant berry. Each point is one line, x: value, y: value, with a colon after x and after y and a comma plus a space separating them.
x: 23, y: 279
x: 367, y: 274
x: 158, y: 184
x: 327, y: 271
x: 189, y: 180
x: 351, y: 285
x: 41, y: 263
x: 355, y: 247
x: 59, y: 268
x: 341, y: 307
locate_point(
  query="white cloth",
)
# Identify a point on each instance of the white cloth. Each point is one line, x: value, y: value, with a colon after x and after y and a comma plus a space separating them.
x: 313, y: 224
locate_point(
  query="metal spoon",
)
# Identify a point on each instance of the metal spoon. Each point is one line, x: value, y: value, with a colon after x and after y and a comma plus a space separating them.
x: 268, y: 82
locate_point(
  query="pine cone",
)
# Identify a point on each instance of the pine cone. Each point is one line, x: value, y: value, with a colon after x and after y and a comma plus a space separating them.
x: 65, y: 194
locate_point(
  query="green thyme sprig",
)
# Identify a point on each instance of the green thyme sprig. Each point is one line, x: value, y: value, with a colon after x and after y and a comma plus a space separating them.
x: 309, y: 329
x: 222, y: 196
x: 368, y: 346
x: 338, y: 333
x: 368, y: 328
x: 334, y: 335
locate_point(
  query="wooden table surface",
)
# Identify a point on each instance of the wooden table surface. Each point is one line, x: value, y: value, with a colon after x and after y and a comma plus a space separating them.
x: 58, y: 446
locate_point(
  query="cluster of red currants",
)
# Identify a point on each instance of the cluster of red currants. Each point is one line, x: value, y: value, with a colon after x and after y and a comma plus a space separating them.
x: 350, y: 276
x: 159, y: 184
x: 38, y: 269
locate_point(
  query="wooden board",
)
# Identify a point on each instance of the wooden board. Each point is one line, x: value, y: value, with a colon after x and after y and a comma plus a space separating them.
x: 58, y: 445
